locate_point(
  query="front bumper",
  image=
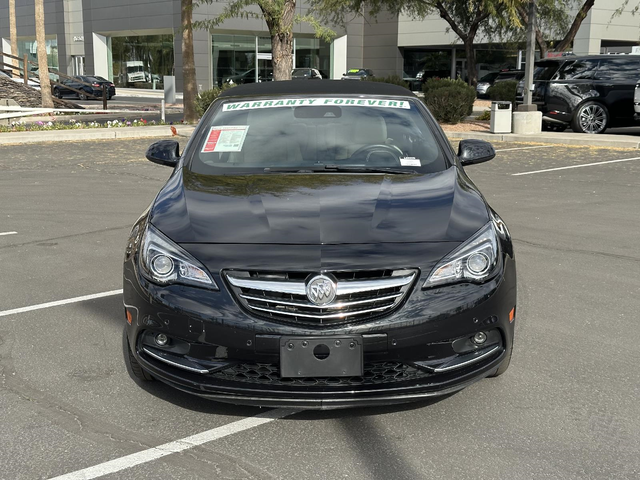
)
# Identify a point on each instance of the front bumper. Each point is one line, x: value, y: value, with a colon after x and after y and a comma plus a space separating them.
x: 421, y: 350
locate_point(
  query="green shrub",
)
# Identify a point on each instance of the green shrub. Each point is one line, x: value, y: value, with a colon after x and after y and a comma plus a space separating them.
x: 392, y: 79
x: 206, y: 98
x: 486, y: 115
x: 435, y: 83
x: 450, y: 101
x: 503, y: 91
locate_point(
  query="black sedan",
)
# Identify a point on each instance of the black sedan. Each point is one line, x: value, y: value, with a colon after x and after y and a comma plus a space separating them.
x: 86, y: 86
x: 318, y: 245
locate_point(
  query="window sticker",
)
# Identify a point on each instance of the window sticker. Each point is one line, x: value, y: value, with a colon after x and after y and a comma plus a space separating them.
x: 298, y: 102
x: 410, y: 162
x: 225, y: 138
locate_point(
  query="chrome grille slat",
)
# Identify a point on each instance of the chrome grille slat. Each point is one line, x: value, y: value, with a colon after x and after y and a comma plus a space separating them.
x: 321, y: 316
x: 282, y: 296
x: 311, y: 305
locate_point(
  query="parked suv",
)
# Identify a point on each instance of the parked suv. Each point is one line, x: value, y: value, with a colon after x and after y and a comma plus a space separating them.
x: 490, y: 79
x: 590, y: 93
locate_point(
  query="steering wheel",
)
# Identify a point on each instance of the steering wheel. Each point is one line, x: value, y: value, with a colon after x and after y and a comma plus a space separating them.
x: 368, y: 150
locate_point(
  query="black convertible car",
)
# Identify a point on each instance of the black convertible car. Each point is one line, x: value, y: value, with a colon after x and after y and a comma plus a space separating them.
x: 318, y: 245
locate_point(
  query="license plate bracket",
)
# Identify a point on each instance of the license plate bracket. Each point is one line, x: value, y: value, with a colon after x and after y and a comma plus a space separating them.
x: 339, y: 356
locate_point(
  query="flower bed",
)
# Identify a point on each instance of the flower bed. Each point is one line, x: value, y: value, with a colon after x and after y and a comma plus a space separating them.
x: 22, y: 126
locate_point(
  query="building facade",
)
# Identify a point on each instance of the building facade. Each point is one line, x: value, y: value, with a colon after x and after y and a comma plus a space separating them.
x: 136, y: 44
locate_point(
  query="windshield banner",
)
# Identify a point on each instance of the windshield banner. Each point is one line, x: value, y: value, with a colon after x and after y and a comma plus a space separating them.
x: 299, y: 102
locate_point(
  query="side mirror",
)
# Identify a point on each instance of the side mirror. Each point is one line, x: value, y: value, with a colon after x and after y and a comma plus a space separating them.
x: 164, y: 152
x: 471, y: 152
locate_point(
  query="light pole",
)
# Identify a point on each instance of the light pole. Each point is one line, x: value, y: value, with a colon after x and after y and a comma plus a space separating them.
x: 530, y: 59
x: 527, y: 119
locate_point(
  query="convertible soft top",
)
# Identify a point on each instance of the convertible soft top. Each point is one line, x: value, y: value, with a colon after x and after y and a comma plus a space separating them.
x: 319, y: 87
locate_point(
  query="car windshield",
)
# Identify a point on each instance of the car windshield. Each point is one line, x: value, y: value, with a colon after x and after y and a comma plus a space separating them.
x: 316, y: 134
x: 545, y: 70
x: 301, y: 71
x: 356, y: 71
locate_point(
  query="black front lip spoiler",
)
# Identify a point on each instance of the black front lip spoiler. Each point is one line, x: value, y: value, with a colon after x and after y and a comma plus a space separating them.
x: 333, y: 400
x: 291, y: 401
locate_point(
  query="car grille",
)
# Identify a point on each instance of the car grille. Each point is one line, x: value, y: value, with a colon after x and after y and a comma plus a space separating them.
x: 375, y: 373
x: 359, y: 296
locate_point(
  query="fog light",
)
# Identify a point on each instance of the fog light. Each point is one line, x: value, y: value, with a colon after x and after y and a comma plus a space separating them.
x: 479, y: 338
x: 161, y: 339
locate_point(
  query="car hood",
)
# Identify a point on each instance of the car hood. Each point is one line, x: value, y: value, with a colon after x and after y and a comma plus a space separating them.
x: 319, y: 209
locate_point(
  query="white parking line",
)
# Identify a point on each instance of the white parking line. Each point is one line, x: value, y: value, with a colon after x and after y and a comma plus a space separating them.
x: 524, y: 148
x: 7, y: 233
x: 575, y: 166
x: 60, y: 302
x: 176, y: 446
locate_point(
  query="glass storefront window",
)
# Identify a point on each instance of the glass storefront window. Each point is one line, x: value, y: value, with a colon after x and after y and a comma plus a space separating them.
x: 234, y: 58
x: 142, y: 61
x: 30, y: 48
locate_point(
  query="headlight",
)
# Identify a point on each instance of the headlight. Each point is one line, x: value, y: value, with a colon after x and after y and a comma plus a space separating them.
x: 473, y: 261
x: 164, y: 262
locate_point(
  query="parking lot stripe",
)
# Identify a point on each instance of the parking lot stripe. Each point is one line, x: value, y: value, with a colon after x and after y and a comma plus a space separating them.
x: 60, y: 302
x: 524, y: 148
x: 176, y: 446
x: 8, y: 233
x: 575, y: 166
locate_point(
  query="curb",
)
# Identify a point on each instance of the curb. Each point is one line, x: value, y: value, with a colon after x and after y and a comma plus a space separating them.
x: 556, y: 138
x: 94, y: 134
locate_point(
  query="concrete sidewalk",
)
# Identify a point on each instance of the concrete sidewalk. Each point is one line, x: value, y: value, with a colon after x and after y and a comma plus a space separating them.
x: 560, y: 138
x: 95, y: 134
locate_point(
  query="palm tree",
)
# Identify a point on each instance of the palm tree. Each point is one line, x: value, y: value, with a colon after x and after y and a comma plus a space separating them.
x: 188, y: 64
x: 13, y: 34
x: 43, y: 66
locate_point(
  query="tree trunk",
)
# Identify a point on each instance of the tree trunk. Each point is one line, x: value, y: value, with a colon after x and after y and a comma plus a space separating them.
x: 575, y: 26
x: 280, y: 24
x: 13, y: 34
x: 188, y: 64
x: 282, y: 47
x: 43, y: 66
x: 472, y: 72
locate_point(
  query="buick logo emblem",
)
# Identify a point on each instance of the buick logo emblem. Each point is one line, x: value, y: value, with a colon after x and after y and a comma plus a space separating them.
x: 321, y: 290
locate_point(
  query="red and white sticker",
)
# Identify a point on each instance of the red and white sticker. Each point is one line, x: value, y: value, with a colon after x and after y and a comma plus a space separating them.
x: 225, y: 138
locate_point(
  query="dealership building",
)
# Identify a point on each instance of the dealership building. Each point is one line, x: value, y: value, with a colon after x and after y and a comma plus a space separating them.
x: 136, y: 44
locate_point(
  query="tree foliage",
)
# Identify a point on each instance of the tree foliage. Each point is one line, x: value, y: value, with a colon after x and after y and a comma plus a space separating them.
x: 464, y: 17
x: 556, y: 28
x: 280, y: 17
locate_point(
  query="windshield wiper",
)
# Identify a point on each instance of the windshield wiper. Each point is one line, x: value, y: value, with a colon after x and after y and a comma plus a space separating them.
x: 338, y: 168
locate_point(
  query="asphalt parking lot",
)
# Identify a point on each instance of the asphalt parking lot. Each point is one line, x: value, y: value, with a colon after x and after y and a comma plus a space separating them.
x: 568, y: 408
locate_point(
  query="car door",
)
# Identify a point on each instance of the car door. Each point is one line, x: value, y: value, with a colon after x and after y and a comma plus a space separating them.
x: 573, y: 84
x: 543, y: 73
x: 615, y: 80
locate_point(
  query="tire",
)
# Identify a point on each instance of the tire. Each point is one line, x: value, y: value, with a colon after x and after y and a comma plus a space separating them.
x: 134, y: 369
x: 57, y: 93
x: 590, y: 117
x: 82, y: 96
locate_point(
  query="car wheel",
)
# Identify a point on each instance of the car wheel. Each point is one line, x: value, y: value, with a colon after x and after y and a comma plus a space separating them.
x: 592, y: 117
x: 82, y: 96
x: 57, y: 93
x: 134, y: 369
